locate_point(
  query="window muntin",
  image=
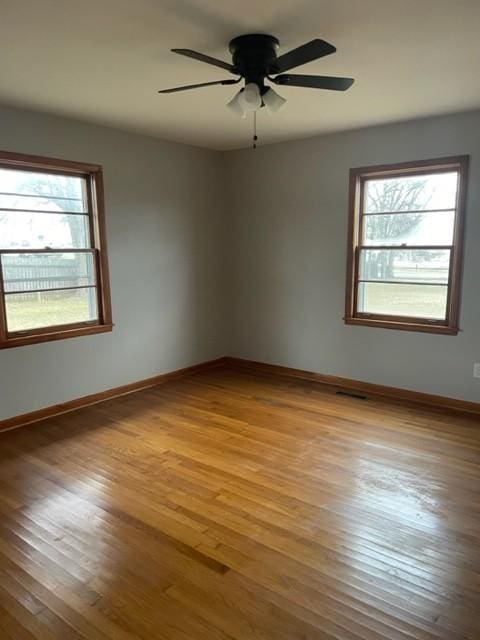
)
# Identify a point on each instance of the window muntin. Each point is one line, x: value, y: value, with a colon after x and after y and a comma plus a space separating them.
x: 35, y: 230
x: 405, y: 245
x: 409, y: 228
x: 413, y: 192
x: 31, y: 272
x: 42, y: 191
x: 53, y: 263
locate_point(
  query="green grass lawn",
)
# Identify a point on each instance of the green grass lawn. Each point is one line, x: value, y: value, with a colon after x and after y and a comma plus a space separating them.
x: 32, y: 312
x: 65, y: 308
x: 405, y: 300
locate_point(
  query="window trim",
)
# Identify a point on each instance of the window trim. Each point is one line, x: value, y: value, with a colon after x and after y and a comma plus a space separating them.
x: 358, y: 177
x: 93, y: 175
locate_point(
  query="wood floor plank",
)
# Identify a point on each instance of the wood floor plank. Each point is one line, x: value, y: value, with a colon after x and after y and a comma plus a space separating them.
x: 234, y: 506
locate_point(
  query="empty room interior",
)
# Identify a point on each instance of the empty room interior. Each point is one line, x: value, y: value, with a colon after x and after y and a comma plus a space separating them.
x: 240, y: 320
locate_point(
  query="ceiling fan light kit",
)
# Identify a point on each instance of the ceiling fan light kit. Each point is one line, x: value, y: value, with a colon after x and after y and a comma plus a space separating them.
x: 250, y: 97
x: 255, y: 60
x: 236, y: 106
x: 272, y: 100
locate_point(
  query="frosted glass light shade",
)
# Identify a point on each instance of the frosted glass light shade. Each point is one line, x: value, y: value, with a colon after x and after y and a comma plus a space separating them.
x: 272, y: 100
x: 250, y: 97
x: 235, y: 105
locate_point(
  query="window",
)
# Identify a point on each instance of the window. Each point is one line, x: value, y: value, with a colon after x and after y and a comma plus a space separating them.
x: 405, y: 245
x: 53, y: 261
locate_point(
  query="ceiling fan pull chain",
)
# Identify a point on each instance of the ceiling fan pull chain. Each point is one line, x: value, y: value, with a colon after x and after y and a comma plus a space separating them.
x: 255, y: 137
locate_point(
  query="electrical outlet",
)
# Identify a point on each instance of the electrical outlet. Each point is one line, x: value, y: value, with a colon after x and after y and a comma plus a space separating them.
x: 476, y: 370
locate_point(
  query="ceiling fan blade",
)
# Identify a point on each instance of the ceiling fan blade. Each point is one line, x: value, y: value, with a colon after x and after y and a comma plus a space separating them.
x: 314, y: 82
x: 197, y: 86
x: 203, y: 58
x: 301, y: 55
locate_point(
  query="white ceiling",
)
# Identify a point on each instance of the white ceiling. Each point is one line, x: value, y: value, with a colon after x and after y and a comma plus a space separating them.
x: 103, y: 61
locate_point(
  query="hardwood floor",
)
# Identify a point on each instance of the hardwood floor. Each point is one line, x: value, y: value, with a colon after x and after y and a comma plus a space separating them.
x: 233, y: 506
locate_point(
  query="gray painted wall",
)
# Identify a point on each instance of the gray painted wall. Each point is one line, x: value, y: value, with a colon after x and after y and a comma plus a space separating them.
x: 241, y: 253
x: 164, y: 228
x: 288, y: 239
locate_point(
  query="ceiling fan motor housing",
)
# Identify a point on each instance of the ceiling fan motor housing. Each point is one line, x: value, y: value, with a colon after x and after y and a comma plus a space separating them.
x: 254, y: 57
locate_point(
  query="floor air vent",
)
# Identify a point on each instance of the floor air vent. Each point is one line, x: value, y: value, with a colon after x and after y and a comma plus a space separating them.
x: 351, y: 394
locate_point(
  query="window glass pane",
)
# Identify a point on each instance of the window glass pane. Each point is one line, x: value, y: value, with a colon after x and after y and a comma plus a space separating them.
x: 27, y: 230
x: 411, y: 193
x: 417, y: 301
x: 410, y: 228
x: 423, y: 265
x: 27, y: 272
x: 50, y: 308
x: 41, y: 191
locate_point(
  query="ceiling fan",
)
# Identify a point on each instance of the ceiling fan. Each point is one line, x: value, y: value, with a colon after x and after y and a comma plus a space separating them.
x: 254, y: 59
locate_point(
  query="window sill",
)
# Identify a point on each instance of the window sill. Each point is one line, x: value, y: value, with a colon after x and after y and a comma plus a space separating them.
x: 403, y: 326
x: 21, y: 341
